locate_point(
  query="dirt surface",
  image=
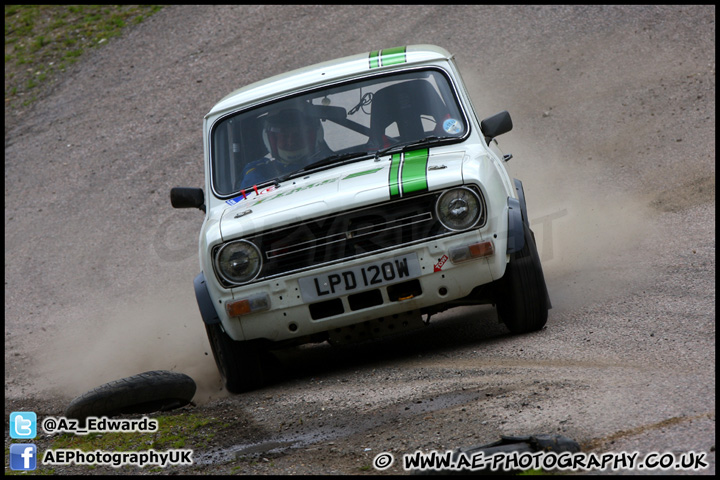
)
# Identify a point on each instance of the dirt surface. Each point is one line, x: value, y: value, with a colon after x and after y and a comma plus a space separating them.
x: 614, y: 140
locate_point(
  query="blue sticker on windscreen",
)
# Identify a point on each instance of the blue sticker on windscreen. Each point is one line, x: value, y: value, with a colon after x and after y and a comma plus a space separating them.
x: 234, y: 201
x: 452, y: 126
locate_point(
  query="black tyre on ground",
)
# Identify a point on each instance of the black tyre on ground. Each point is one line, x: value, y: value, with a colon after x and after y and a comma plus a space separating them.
x: 240, y: 363
x: 153, y: 391
x: 523, y: 301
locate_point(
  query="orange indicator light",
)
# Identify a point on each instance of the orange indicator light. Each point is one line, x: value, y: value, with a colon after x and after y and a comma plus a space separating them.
x: 481, y: 249
x: 254, y: 303
x: 235, y: 309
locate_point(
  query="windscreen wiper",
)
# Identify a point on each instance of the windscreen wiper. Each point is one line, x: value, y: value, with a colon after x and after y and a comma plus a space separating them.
x: 331, y: 160
x: 399, y: 147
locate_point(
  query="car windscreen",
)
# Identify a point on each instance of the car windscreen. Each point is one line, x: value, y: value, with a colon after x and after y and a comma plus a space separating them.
x: 333, y: 124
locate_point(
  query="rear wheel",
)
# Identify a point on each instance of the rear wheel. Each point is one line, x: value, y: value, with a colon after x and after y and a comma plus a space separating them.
x: 523, y: 299
x: 239, y: 363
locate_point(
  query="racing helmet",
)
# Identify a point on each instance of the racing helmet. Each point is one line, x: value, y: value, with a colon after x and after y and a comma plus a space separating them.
x: 291, y: 136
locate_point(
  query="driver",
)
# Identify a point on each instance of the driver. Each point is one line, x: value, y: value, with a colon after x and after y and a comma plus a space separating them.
x: 293, y: 139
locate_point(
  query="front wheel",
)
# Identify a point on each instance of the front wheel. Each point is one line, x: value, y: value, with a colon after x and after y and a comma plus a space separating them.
x: 239, y: 362
x: 523, y: 301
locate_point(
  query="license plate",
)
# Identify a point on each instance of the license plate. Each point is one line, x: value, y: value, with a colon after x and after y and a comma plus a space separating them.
x: 357, y: 279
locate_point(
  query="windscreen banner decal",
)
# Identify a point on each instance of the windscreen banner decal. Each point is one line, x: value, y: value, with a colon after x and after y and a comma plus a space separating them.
x: 408, y: 173
x: 389, y: 56
x: 244, y: 194
x: 272, y: 188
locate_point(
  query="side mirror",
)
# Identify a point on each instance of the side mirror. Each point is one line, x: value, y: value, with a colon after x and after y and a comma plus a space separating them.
x: 496, y: 125
x: 187, y: 197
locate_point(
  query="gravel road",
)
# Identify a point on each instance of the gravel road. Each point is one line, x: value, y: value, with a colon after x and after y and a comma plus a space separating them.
x: 614, y: 140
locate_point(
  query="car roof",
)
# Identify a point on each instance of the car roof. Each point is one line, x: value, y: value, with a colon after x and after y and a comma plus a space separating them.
x: 341, y: 68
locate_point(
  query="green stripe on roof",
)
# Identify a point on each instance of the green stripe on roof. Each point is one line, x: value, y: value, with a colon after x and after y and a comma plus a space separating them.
x: 392, y: 56
x: 374, y: 59
x: 388, y: 56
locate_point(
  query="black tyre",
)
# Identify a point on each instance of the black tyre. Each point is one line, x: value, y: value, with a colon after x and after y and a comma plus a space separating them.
x: 147, y: 392
x: 523, y: 301
x: 239, y: 363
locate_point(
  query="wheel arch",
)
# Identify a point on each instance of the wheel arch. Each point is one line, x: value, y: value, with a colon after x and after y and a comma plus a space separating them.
x: 205, y: 304
x: 521, y: 199
x: 516, y: 228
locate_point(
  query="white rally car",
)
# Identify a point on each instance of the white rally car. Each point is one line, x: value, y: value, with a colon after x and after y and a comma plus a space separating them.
x: 353, y: 199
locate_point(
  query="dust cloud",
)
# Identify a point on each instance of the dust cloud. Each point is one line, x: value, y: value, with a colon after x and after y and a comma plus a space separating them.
x: 589, y: 235
x: 163, y: 331
x: 589, y: 219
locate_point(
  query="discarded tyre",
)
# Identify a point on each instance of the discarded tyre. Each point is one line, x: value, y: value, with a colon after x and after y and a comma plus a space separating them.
x: 147, y: 392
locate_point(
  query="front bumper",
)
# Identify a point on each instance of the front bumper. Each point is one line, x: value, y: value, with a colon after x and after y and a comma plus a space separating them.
x: 439, y: 280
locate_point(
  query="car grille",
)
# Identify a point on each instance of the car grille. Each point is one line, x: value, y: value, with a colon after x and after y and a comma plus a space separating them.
x: 352, y: 234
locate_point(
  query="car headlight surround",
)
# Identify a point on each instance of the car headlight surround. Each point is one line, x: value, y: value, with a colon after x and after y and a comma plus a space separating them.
x: 238, y: 262
x: 459, y: 208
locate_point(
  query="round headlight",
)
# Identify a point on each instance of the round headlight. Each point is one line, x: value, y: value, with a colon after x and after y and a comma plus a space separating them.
x: 238, y: 262
x: 459, y: 208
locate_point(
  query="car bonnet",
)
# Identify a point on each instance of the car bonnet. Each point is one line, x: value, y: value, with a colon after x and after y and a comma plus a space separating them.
x: 327, y: 192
